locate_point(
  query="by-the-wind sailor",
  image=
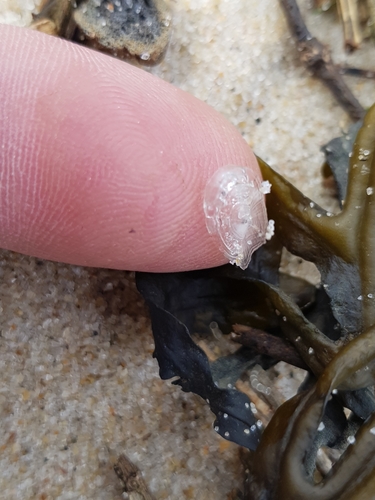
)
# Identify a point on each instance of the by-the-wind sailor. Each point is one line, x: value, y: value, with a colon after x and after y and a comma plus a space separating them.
x: 235, y: 210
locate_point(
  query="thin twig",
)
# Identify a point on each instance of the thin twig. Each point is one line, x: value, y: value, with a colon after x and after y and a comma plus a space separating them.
x: 270, y: 345
x: 361, y: 73
x: 371, y: 14
x: 316, y: 57
x: 56, y: 18
x: 348, y: 11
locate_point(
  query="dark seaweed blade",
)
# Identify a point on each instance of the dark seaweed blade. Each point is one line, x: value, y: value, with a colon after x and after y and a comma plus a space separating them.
x: 314, y: 348
x: 320, y: 314
x: 337, y: 153
x: 225, y: 295
x: 202, y: 297
x: 226, y: 370
x: 179, y: 356
x: 188, y: 302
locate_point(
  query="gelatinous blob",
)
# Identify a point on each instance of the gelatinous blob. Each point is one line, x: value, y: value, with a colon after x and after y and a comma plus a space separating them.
x: 235, y: 211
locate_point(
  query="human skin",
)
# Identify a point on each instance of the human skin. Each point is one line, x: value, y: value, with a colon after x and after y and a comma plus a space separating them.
x: 103, y: 164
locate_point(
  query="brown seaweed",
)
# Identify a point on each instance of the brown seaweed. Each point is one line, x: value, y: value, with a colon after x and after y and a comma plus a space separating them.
x: 342, y: 247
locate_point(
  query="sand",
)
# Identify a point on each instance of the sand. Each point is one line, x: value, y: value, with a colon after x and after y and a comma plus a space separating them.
x: 79, y: 384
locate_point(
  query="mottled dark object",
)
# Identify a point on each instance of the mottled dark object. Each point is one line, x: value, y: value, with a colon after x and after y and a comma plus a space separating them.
x: 126, y: 27
x: 131, y: 477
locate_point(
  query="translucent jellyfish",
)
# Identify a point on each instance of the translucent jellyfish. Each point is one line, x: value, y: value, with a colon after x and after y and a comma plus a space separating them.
x: 235, y: 211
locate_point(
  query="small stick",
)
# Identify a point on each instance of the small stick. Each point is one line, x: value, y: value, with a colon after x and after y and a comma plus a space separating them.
x: 270, y: 345
x: 56, y: 18
x: 362, y: 73
x: 132, y: 480
x: 316, y: 57
x: 348, y: 11
x: 371, y: 13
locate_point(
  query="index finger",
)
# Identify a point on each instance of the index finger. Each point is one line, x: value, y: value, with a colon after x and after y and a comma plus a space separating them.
x: 103, y: 164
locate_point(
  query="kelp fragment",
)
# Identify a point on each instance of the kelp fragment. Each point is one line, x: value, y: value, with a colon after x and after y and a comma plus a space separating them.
x: 339, y: 244
x: 292, y: 430
x: 265, y: 343
x: 346, y: 262
x: 183, y: 303
x: 337, y: 153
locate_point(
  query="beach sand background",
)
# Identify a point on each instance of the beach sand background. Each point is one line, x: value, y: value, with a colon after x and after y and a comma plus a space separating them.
x: 79, y: 385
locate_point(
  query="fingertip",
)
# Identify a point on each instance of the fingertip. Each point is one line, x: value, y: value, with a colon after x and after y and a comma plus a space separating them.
x: 105, y: 165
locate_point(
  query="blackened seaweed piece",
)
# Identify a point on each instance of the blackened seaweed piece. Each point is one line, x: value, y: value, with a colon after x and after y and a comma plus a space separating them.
x: 316, y: 349
x: 188, y: 302
x: 228, y: 369
x: 300, y: 291
x: 198, y: 298
x: 361, y: 402
x: 179, y: 356
x: 337, y: 153
x: 331, y: 433
x: 319, y: 312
